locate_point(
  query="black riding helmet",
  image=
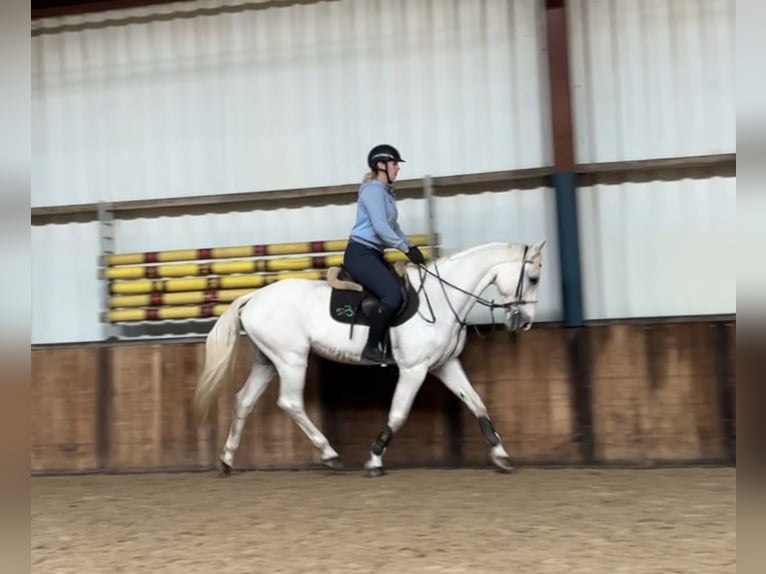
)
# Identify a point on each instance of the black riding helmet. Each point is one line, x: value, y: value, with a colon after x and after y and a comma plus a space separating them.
x: 383, y: 152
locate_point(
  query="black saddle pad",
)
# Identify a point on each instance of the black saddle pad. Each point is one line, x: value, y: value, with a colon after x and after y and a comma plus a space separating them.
x: 355, y: 307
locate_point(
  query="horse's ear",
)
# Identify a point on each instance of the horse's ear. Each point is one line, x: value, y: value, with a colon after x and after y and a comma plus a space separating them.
x: 538, y: 247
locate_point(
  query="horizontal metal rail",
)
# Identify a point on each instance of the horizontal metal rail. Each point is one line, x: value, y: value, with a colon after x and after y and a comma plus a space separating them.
x: 442, y: 186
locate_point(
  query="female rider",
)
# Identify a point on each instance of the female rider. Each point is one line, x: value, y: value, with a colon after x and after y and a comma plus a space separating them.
x: 376, y: 228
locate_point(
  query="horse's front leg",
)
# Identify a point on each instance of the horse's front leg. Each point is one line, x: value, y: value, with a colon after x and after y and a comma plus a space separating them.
x: 454, y: 378
x: 410, y: 381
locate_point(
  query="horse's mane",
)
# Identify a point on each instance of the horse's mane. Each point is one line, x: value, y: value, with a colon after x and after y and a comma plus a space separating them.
x: 474, y: 248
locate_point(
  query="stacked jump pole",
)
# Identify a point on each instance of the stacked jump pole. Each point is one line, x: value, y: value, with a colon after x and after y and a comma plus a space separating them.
x: 200, y: 283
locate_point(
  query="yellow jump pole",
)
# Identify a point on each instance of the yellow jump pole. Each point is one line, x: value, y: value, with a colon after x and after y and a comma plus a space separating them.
x: 185, y: 298
x: 163, y: 313
x: 236, y: 252
x: 250, y: 281
x: 203, y: 290
x: 232, y: 267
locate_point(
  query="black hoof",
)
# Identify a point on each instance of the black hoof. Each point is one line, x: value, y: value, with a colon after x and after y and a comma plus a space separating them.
x: 224, y: 469
x: 334, y: 462
x: 503, y: 464
x: 376, y: 472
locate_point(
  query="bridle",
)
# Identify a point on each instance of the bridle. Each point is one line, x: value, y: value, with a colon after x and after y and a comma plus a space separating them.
x: 512, y: 306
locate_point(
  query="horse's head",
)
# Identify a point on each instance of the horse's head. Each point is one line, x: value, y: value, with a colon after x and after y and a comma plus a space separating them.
x: 517, y: 281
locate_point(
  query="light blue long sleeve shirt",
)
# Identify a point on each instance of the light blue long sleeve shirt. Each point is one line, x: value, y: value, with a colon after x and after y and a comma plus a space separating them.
x: 377, y: 218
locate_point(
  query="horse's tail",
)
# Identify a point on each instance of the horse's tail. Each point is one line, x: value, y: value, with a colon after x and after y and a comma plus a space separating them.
x: 220, y: 349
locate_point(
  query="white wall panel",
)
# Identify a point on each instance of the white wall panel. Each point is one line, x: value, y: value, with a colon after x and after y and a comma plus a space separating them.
x: 652, y: 78
x: 285, y: 97
x: 525, y: 216
x: 661, y: 248
x: 66, y: 290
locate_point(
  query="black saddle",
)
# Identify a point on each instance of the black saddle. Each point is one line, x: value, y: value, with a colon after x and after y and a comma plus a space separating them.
x: 355, y: 307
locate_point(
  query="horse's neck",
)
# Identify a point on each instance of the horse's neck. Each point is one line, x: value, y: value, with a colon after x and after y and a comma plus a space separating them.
x: 470, y: 270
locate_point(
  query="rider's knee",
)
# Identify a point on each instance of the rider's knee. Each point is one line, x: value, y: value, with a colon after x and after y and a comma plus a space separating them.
x: 392, y: 300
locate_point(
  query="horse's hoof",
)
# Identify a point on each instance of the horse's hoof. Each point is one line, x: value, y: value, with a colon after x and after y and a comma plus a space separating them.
x: 503, y: 463
x: 375, y: 472
x: 333, y: 462
x: 224, y: 469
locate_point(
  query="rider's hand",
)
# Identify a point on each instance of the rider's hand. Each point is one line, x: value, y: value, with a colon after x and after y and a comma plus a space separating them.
x: 415, y: 255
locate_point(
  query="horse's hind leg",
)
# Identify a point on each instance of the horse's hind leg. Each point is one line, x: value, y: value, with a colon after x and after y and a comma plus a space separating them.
x: 261, y: 373
x: 454, y: 378
x: 291, y: 388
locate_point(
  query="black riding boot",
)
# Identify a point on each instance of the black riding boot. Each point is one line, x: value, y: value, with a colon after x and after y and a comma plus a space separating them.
x: 378, y: 326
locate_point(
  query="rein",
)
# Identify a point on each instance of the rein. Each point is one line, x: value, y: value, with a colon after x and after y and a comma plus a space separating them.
x: 512, y: 305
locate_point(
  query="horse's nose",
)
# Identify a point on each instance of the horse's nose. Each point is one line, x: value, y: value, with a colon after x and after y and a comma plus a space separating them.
x: 518, y: 319
x: 525, y: 321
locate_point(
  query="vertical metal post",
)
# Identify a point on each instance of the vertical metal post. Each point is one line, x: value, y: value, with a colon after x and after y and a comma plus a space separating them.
x: 106, y: 233
x: 569, y: 247
x: 565, y: 186
x: 564, y: 161
x: 428, y: 193
x: 110, y: 334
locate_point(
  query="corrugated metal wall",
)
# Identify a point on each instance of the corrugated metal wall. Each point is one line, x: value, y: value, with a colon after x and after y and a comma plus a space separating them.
x: 661, y: 248
x: 652, y: 78
x: 285, y: 97
x: 279, y: 98
x: 288, y: 97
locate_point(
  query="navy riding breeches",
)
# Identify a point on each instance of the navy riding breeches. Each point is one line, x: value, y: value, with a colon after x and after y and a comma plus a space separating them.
x: 367, y: 266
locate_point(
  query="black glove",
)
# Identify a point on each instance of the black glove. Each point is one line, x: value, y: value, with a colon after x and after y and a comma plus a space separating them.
x: 415, y: 256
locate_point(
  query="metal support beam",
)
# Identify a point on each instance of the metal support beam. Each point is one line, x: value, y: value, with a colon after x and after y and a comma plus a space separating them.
x: 565, y: 186
x: 563, y: 178
x: 569, y: 248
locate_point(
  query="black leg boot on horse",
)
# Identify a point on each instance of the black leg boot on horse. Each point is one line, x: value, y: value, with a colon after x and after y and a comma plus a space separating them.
x: 373, y: 350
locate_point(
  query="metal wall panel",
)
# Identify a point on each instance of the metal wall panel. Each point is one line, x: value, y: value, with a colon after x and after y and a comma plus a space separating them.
x: 66, y: 291
x: 660, y: 248
x: 285, y: 97
x: 652, y: 78
x: 65, y: 257
x: 525, y: 216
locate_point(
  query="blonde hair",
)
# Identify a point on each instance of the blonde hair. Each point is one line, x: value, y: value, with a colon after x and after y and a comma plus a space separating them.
x: 369, y: 176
